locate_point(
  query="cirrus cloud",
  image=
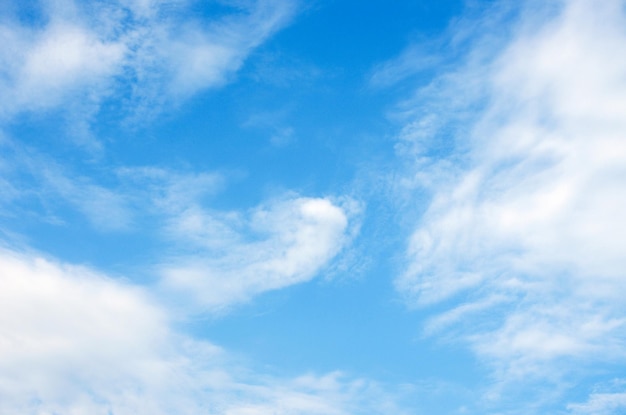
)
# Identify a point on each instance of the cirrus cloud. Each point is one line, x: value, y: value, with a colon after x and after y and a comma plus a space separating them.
x: 77, y: 55
x: 523, y: 150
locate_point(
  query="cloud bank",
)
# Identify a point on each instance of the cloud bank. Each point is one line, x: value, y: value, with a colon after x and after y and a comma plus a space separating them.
x: 74, y: 341
x: 526, y: 169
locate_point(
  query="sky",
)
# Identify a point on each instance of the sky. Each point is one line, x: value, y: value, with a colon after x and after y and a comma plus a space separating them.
x: 326, y: 207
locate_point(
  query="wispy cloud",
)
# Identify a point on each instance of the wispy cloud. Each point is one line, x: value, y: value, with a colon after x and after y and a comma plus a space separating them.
x: 220, y: 257
x: 76, y: 341
x: 36, y: 185
x: 245, y: 254
x: 525, y: 164
x: 410, y: 63
x: 216, y: 258
x: 274, y: 123
x: 40, y: 68
x: 79, y: 54
x: 608, y: 400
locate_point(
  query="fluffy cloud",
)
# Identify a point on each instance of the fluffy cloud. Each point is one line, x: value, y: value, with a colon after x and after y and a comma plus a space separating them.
x: 40, y: 68
x: 271, y: 247
x: 219, y: 258
x: 73, y: 341
x: 525, y: 231
x: 66, y: 331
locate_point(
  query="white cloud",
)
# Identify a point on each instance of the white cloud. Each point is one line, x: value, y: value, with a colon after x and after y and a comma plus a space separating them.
x: 73, y: 341
x: 219, y: 258
x: 55, y: 63
x: 601, y: 404
x: 412, y: 61
x: 106, y: 209
x: 38, y: 185
x: 65, y: 329
x: 216, y: 257
x: 271, y: 247
x: 524, y: 230
x: 202, y: 58
x: 154, y: 51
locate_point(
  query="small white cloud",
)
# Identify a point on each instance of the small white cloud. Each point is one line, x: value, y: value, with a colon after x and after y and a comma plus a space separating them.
x: 601, y: 404
x: 272, y: 247
x: 62, y: 60
x: 412, y: 61
x: 220, y: 258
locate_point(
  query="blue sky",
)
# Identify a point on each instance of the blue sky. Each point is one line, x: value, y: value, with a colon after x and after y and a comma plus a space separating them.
x: 312, y: 208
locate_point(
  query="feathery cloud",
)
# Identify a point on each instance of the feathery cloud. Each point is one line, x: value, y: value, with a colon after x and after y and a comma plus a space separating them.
x: 526, y: 171
x: 153, y: 53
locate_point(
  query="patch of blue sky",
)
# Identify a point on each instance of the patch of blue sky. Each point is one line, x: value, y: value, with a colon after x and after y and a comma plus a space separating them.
x: 312, y: 208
